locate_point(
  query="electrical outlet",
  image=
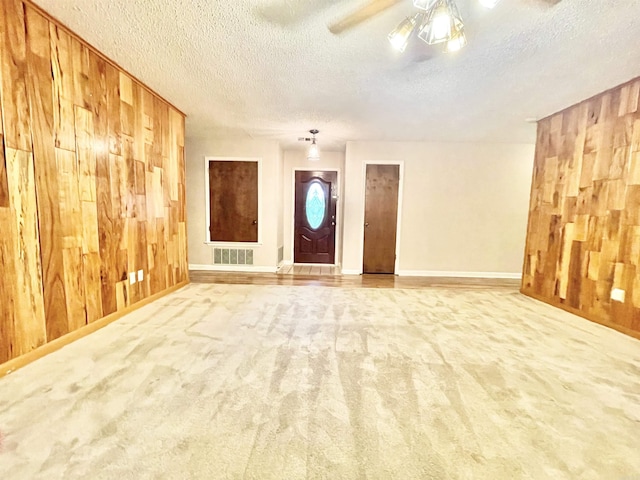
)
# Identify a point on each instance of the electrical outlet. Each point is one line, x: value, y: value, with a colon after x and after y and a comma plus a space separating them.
x: 140, y: 275
x: 618, y: 295
x: 132, y: 278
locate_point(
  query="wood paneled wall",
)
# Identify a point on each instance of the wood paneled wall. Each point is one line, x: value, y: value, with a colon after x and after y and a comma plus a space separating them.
x: 583, y: 237
x: 92, y: 180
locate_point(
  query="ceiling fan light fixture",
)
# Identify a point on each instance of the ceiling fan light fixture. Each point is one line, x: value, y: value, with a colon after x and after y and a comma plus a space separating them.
x: 399, y: 37
x: 423, y: 4
x: 443, y: 22
x: 489, y: 3
x: 457, y: 43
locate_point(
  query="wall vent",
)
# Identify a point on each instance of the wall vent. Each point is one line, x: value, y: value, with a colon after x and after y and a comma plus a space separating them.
x: 232, y: 256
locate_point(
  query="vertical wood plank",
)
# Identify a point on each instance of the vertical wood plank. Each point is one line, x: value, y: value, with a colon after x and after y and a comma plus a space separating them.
x: 113, y: 110
x: 7, y: 286
x: 74, y: 283
x: 69, y: 199
x: 15, y: 104
x: 4, y: 185
x: 81, y: 72
x: 98, y: 69
x: 92, y: 285
x: 85, y: 153
x: 141, y: 258
x: 40, y: 97
x: 63, y: 88
x: 4, y: 182
x: 127, y: 113
x: 73, y: 232
x: 130, y: 176
x: 139, y: 135
x: 30, y: 324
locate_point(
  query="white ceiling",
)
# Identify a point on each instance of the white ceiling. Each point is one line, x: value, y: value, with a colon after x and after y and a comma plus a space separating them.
x: 271, y: 69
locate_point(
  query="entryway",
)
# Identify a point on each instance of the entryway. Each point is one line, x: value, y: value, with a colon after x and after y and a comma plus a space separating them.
x: 315, y: 217
x: 309, y: 269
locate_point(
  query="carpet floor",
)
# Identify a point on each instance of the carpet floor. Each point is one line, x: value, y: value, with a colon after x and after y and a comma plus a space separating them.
x: 279, y: 382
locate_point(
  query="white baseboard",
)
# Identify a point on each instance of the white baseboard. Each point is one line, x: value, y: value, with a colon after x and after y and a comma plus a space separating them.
x: 351, y: 272
x: 432, y: 273
x: 233, y: 268
x: 401, y: 273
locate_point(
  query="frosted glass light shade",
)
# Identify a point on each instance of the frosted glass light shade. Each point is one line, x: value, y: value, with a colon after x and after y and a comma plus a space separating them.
x: 443, y: 22
x: 457, y: 42
x: 314, y: 152
x: 400, y: 36
x: 489, y: 3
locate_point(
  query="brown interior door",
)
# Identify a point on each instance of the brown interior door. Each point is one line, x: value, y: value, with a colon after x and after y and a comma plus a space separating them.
x: 233, y: 201
x: 380, y: 218
x: 315, y: 217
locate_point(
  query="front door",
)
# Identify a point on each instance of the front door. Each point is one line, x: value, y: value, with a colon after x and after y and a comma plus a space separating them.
x: 315, y: 217
x: 380, y: 218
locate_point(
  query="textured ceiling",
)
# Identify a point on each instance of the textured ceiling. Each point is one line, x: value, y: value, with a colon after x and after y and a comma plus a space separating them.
x: 271, y: 69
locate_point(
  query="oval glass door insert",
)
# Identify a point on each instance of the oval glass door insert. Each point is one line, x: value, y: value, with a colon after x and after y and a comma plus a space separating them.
x: 315, y: 205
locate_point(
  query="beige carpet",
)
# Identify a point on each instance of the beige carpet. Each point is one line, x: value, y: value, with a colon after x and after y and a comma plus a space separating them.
x: 275, y: 382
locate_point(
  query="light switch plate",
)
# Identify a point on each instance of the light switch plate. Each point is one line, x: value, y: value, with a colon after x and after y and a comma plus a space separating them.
x: 132, y: 278
x: 140, y: 275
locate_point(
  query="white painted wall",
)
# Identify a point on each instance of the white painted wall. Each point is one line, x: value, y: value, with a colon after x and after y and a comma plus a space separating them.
x: 200, y: 253
x: 464, y: 211
x: 280, y: 206
x: 297, y: 159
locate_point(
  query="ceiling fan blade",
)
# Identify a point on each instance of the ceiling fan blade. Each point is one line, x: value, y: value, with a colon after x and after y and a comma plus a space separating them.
x: 289, y: 12
x: 370, y: 10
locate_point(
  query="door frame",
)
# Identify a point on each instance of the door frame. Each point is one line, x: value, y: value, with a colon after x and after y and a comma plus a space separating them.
x: 338, y: 242
x: 400, y: 163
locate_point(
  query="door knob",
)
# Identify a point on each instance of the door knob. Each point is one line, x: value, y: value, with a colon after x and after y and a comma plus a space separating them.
x: 366, y: 224
x: 255, y: 222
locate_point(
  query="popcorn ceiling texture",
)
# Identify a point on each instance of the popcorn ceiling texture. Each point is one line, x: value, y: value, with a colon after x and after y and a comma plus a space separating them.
x: 271, y: 69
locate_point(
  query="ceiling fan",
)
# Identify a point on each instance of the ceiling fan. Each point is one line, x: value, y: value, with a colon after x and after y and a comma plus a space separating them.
x: 375, y: 7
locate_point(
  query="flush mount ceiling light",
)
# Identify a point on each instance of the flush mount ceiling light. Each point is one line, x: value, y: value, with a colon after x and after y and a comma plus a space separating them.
x: 313, y: 154
x: 437, y: 22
